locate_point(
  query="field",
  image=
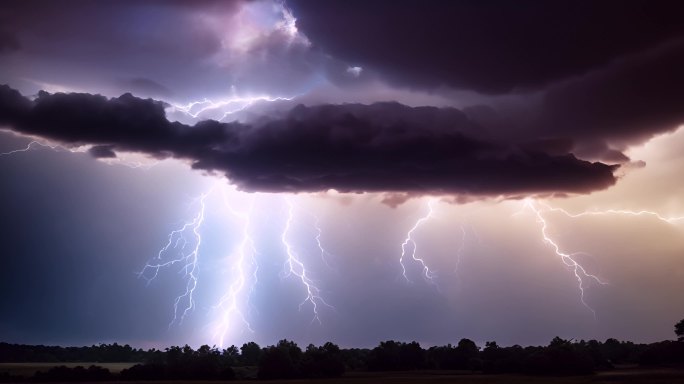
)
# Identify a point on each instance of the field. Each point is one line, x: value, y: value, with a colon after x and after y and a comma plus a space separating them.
x: 29, y: 369
x: 624, y: 375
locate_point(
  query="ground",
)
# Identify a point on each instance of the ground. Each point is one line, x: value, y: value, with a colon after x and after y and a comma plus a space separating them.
x: 631, y: 375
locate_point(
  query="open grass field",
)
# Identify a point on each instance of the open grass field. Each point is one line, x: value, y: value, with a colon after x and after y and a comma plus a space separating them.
x: 625, y: 375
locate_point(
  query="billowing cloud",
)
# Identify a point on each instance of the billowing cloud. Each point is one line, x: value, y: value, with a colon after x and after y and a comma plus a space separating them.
x: 600, y: 114
x: 383, y: 147
x: 197, y: 50
x: 102, y: 151
x: 628, y: 101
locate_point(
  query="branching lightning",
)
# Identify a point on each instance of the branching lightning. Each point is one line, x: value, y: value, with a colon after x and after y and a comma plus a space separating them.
x: 568, y: 258
x: 409, y: 241
x: 196, y: 109
x: 669, y: 220
x: 28, y: 148
x: 81, y: 149
x: 182, y: 250
x: 188, y: 260
x: 295, y: 266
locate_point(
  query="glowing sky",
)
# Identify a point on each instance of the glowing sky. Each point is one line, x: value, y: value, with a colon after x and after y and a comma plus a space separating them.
x: 350, y: 171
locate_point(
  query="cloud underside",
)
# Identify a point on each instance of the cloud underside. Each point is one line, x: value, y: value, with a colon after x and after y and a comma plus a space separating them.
x: 383, y: 147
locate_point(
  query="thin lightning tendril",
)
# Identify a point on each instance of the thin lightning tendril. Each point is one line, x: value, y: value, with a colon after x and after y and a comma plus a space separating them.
x: 297, y: 268
x: 461, y: 248
x: 188, y: 260
x: 567, y: 258
x: 669, y: 220
x: 236, y: 104
x: 82, y: 149
x: 324, y: 252
x: 28, y: 148
x: 427, y: 274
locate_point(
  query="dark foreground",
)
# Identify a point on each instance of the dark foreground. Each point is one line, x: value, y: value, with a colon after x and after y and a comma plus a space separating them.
x: 633, y: 375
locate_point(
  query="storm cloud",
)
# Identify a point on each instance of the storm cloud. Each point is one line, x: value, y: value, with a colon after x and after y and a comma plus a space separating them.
x: 488, y: 46
x: 383, y: 147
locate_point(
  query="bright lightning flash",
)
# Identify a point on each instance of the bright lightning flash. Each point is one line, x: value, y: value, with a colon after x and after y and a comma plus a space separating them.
x: 409, y: 242
x: 183, y: 249
x: 245, y: 259
x: 224, y: 108
x: 295, y: 266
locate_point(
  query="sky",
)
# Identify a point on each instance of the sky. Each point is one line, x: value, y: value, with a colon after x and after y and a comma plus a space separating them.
x: 217, y: 172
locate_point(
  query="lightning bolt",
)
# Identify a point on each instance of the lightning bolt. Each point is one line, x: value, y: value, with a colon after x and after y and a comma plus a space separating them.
x: 109, y: 161
x: 296, y: 267
x: 567, y: 258
x: 188, y: 260
x: 245, y: 259
x: 669, y: 220
x: 427, y: 274
x: 461, y: 248
x: 228, y: 107
x: 34, y: 143
x: 28, y: 148
x: 324, y: 253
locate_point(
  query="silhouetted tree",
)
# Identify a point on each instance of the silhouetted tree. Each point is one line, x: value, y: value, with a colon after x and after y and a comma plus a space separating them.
x: 277, y: 362
x: 664, y: 352
x: 492, y: 355
x: 285, y: 360
x: 411, y: 356
x: 230, y: 356
x: 355, y: 358
x: 679, y: 330
x: 561, y: 357
x: 384, y: 357
x: 467, y: 353
x: 205, y: 364
x: 395, y: 356
x: 184, y: 363
x: 325, y: 361
x: 250, y: 353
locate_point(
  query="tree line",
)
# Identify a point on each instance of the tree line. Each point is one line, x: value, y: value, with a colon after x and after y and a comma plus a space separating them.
x: 286, y: 360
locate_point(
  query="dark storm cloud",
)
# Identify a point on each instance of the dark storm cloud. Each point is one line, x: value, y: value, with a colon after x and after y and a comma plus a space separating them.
x: 630, y: 100
x: 384, y: 147
x: 102, y: 152
x: 599, y: 114
x: 488, y: 46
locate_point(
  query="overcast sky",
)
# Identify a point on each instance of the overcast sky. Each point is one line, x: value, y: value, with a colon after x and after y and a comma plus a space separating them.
x: 216, y: 172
